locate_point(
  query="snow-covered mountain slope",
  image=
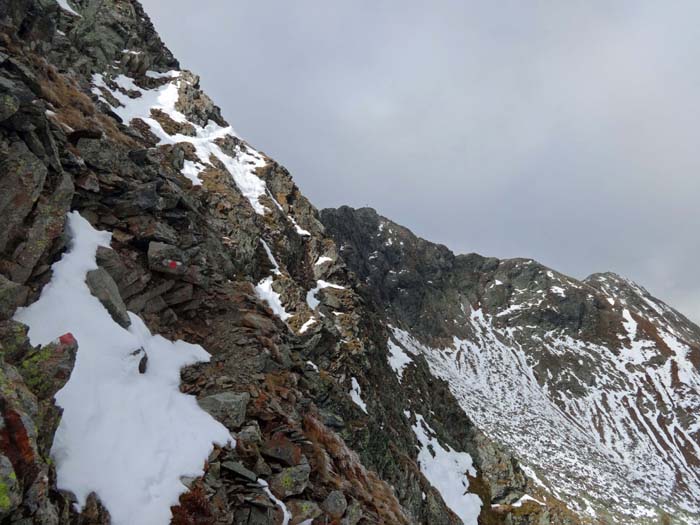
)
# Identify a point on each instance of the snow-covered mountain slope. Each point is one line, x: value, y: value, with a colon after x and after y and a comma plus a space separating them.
x: 593, y: 384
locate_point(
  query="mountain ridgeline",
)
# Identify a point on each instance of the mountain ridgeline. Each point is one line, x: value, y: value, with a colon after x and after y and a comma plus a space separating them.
x: 185, y: 339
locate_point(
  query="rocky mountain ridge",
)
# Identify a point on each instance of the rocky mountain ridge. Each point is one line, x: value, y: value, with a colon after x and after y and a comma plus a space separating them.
x: 592, y: 384
x: 120, y: 175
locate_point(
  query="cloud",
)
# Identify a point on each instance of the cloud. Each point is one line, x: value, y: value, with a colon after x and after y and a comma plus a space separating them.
x: 562, y: 131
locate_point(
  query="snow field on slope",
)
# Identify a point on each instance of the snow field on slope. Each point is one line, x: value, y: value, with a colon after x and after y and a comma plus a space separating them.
x: 127, y: 436
x: 446, y: 470
x: 594, y: 434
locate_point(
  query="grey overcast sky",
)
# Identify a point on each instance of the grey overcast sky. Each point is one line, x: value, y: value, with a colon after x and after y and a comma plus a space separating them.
x: 562, y: 131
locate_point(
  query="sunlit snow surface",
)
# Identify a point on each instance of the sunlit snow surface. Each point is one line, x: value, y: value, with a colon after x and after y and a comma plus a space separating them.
x: 127, y: 436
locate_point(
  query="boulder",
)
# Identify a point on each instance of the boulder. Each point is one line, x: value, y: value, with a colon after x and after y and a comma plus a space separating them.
x: 141, y: 200
x: 303, y: 511
x: 290, y: 481
x: 335, y: 504
x: 239, y: 470
x: 353, y: 515
x: 47, y: 369
x: 94, y: 512
x: 105, y: 289
x: 227, y: 407
x: 166, y: 258
x: 280, y: 448
x: 100, y: 155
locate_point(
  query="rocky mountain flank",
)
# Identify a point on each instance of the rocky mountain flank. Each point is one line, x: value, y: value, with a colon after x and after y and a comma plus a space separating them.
x: 593, y: 385
x: 123, y: 188
x: 208, y: 241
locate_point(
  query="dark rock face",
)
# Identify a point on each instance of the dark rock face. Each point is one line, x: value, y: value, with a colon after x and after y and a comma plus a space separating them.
x: 560, y: 371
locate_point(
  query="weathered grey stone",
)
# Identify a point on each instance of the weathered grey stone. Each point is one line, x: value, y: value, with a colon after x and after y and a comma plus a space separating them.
x: 148, y: 229
x: 96, y: 153
x: 22, y: 180
x: 262, y: 468
x: 302, y: 510
x: 143, y: 363
x: 136, y: 202
x: 50, y: 217
x: 94, y: 512
x: 281, y: 449
x: 250, y: 433
x: 10, y: 489
x: 194, y: 103
x: 9, y: 104
x: 227, y: 407
x: 12, y: 295
x: 181, y: 294
x: 105, y: 289
x: 290, y: 481
x: 353, y: 515
x: 130, y: 281
x: 139, y: 302
x: 238, y: 469
x: 166, y: 258
x: 335, y: 504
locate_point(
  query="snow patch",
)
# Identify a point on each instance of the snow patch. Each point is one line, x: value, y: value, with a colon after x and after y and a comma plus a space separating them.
x: 127, y: 436
x: 525, y: 498
x: 311, y: 299
x: 308, y: 324
x: 322, y: 259
x: 300, y: 231
x: 447, y: 470
x: 266, y: 293
x: 398, y: 359
x: 558, y: 290
x: 271, y: 258
x: 356, y: 395
x: 63, y: 4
